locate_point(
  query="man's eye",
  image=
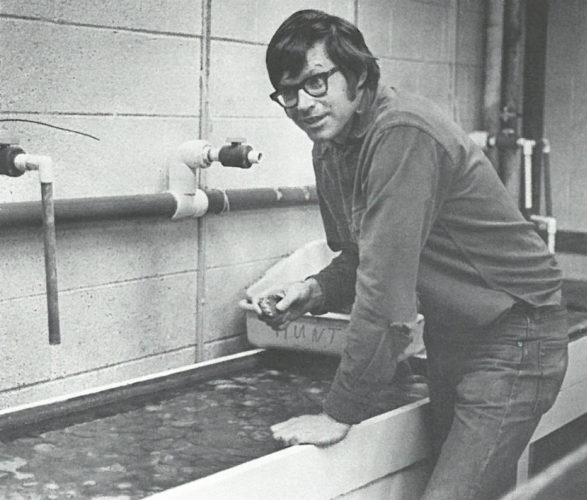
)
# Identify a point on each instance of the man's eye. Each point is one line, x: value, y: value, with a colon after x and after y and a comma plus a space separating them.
x: 314, y: 82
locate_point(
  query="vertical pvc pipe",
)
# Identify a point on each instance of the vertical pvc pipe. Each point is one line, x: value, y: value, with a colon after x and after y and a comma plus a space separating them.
x: 493, y: 74
x: 547, y: 185
x: 50, y: 262
x: 202, y: 224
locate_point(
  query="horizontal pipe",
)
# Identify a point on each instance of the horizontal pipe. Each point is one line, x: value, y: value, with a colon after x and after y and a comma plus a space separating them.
x: 256, y: 198
x: 29, y: 213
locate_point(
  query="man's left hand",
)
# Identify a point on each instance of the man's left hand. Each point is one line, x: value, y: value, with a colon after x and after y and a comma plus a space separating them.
x: 320, y: 430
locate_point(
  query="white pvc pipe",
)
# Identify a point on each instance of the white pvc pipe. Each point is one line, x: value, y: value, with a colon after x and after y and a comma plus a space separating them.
x: 190, y: 204
x: 548, y: 224
x: 44, y: 164
x: 196, y: 154
x: 254, y: 156
x: 527, y: 147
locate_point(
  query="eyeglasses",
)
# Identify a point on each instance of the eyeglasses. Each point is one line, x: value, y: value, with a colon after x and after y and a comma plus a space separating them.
x: 315, y: 86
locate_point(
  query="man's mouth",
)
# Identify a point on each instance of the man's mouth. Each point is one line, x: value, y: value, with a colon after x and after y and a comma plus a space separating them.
x: 312, y: 121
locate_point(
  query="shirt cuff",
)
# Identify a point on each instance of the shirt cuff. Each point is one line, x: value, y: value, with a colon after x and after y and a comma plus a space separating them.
x: 346, y: 407
x: 318, y: 297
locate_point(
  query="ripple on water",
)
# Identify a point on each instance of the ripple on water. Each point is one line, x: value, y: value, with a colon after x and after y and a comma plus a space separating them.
x: 137, y: 449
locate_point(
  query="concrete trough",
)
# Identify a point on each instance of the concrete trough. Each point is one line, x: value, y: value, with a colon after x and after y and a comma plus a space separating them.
x: 385, y: 456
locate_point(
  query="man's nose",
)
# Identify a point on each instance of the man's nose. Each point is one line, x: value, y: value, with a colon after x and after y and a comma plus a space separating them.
x: 305, y: 100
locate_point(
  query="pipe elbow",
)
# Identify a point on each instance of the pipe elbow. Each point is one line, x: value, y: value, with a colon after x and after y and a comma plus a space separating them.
x: 44, y: 164
x: 195, y: 154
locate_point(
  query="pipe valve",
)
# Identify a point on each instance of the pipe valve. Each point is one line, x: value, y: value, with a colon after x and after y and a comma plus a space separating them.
x: 236, y: 153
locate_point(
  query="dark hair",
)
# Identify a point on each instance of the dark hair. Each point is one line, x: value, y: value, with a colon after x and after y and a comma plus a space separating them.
x: 343, y: 41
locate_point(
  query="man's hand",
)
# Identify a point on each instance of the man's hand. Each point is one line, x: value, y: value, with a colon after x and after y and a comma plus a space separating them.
x: 320, y: 430
x: 293, y: 300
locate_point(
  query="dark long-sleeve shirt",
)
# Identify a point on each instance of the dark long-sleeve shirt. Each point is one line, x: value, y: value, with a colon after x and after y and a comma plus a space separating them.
x: 418, y: 213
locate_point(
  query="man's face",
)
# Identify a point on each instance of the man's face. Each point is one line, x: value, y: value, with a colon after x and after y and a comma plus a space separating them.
x: 322, y: 118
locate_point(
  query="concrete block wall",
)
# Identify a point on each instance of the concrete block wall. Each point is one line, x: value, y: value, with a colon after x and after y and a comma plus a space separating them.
x: 431, y: 47
x: 566, y: 110
x: 128, y: 73
x: 565, y: 120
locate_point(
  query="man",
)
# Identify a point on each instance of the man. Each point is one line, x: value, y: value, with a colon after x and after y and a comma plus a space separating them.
x: 420, y: 217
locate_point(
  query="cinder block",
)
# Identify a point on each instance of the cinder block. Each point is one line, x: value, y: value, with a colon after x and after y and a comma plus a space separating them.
x: 225, y: 347
x: 574, y: 266
x: 471, y: 34
x: 435, y: 83
x: 24, y: 342
x: 430, y: 80
x: 404, y: 75
x: 395, y: 29
x: 447, y: 4
x: 103, y: 253
x: 476, y: 5
x: 108, y: 325
x: 96, y: 378
x: 376, y: 21
x: 287, y: 154
x: 469, y: 88
x: 22, y: 267
x: 566, y: 110
x: 410, y: 21
x: 99, y: 327
x: 130, y: 158
x: 225, y: 287
x: 239, y: 85
x: 177, y: 16
x: 236, y: 19
x: 62, y: 68
x: 256, y: 235
x: 257, y: 21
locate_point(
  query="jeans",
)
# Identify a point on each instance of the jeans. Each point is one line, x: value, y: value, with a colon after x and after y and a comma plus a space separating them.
x: 488, y: 391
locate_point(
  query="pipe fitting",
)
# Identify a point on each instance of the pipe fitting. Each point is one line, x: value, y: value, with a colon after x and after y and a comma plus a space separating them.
x: 200, y: 154
x: 44, y: 164
x: 195, y: 154
x: 548, y: 224
x: 238, y: 154
x: 480, y: 137
x: 190, y: 204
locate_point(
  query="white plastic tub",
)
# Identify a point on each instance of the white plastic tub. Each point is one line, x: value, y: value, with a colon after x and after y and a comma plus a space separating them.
x: 325, y: 333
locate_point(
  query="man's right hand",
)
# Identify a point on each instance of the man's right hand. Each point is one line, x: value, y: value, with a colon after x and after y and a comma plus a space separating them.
x: 294, y: 300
